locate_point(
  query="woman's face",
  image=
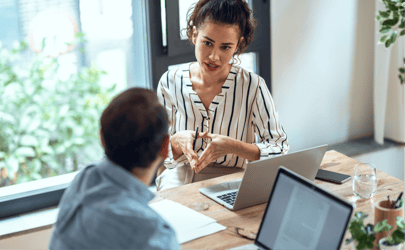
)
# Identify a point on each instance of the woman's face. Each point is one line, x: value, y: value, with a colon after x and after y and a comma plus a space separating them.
x: 215, y: 45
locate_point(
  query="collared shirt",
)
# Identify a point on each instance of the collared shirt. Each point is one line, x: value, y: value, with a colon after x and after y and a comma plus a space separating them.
x: 106, y: 207
x: 241, y: 111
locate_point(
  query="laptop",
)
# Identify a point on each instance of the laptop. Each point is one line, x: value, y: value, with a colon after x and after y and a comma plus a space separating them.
x: 255, y: 186
x: 301, y: 215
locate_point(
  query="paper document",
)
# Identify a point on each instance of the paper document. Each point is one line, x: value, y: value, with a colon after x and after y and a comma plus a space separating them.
x: 187, y: 223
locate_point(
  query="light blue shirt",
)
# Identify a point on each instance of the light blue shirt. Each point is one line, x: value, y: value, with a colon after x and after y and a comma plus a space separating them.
x: 106, y: 207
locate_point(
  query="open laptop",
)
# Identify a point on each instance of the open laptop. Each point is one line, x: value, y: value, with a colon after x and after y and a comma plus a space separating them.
x: 300, y: 215
x: 255, y: 186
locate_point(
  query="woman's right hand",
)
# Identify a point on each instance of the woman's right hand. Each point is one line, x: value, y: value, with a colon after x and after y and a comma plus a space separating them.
x: 182, y: 143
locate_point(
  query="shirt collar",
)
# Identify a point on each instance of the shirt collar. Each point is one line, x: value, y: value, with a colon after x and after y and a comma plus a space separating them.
x: 121, y: 177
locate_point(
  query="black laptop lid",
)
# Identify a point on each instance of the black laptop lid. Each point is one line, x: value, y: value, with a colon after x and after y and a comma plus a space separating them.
x: 299, y: 215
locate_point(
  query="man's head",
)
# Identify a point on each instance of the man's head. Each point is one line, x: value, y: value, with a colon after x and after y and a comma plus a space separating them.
x: 134, y: 129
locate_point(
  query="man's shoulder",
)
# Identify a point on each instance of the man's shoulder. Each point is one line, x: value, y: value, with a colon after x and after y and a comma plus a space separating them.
x: 123, y: 221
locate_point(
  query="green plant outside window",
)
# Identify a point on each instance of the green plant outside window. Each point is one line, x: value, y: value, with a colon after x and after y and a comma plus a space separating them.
x: 48, y: 126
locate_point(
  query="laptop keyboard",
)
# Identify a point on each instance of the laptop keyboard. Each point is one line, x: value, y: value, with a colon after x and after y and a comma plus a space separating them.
x: 229, y: 197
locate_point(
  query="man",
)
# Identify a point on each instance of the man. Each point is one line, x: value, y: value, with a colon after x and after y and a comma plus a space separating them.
x: 106, y: 206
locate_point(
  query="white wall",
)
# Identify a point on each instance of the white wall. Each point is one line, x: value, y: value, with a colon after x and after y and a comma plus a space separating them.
x: 389, y: 161
x: 322, y: 69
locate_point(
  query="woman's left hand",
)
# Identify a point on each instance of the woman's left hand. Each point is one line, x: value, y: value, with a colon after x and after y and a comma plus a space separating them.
x: 219, y: 146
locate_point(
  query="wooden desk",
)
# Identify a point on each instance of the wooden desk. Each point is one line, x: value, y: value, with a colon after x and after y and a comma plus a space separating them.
x: 250, y: 218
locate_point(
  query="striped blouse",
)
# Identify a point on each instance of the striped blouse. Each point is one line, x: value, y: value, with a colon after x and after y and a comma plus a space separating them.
x: 241, y: 111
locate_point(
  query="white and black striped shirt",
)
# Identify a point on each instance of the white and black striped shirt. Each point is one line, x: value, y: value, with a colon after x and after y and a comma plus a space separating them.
x: 241, y: 111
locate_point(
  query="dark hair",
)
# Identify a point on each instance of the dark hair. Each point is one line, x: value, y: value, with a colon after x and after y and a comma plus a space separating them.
x: 231, y: 12
x: 134, y: 126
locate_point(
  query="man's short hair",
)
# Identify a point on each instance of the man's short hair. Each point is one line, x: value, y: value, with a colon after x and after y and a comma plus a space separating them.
x: 134, y: 126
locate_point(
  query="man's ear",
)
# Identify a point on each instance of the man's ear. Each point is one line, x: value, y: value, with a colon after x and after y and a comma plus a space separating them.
x: 195, y: 33
x: 102, y: 142
x: 164, y: 152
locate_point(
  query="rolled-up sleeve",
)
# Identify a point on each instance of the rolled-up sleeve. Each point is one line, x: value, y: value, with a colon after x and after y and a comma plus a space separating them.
x: 272, y: 137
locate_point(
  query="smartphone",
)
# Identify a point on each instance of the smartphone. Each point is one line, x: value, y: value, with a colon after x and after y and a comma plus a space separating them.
x: 334, y: 177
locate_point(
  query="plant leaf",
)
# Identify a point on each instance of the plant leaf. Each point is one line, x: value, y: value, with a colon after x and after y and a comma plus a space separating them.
x: 390, y: 22
x: 7, y: 117
x: 388, y: 43
x: 393, y: 7
x: 355, y: 228
x: 398, y: 236
x: 385, y: 14
x: 400, y: 223
x: 12, y: 166
x: 366, y: 242
x: 378, y: 18
x: 79, y: 141
x: 382, y: 226
x: 402, y: 70
x: 36, y: 176
x: 385, y: 29
x: 29, y: 140
x: 25, y: 122
x: 393, y: 37
x: 63, y: 111
x: 390, y: 240
x: 33, y: 125
x: 401, y: 78
x: 36, y: 164
x: 25, y: 152
x: 402, y: 32
x: 402, y: 24
x: 384, y: 38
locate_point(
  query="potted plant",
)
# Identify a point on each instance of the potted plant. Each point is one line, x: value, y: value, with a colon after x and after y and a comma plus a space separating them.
x: 395, y: 240
x: 392, y: 25
x: 363, y: 236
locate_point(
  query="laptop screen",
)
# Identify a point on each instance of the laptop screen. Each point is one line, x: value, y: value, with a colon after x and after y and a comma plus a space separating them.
x: 301, y: 216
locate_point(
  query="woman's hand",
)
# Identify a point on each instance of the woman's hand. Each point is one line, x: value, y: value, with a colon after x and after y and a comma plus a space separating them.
x: 219, y: 146
x: 182, y: 143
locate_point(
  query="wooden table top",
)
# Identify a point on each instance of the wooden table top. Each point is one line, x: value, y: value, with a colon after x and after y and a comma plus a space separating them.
x: 250, y: 218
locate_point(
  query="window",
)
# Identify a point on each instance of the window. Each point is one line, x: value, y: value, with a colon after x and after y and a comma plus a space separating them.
x: 60, y: 65
x: 51, y: 104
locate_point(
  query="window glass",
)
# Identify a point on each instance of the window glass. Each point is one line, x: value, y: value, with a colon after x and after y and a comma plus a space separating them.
x: 249, y: 61
x: 56, y: 78
x: 164, y: 23
x: 184, y: 6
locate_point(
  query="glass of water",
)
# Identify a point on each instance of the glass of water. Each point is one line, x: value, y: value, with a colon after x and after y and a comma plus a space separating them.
x: 364, y: 180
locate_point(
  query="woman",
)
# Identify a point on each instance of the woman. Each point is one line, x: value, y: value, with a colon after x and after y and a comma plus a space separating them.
x: 230, y: 105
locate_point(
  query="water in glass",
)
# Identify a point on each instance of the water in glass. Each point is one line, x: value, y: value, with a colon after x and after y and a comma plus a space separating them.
x: 364, y: 180
x: 364, y: 185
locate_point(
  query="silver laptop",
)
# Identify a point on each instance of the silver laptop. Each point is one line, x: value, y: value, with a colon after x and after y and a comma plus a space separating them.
x: 255, y: 186
x: 301, y: 215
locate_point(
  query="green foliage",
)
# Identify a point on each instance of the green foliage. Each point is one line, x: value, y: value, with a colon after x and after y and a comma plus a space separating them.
x: 365, y: 235
x: 397, y: 236
x: 46, y: 120
x: 392, y: 22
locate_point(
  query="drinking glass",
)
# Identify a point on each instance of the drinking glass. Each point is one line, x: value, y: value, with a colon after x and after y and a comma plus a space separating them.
x: 364, y: 180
